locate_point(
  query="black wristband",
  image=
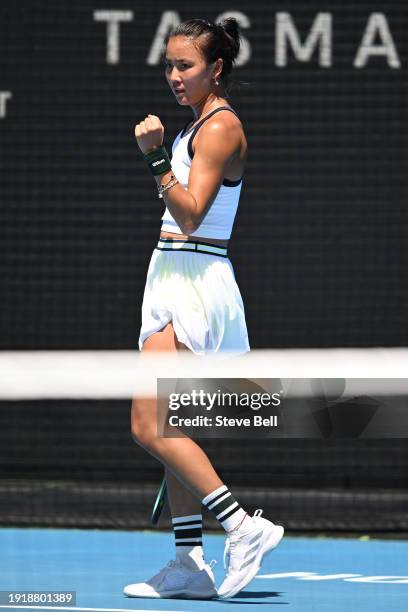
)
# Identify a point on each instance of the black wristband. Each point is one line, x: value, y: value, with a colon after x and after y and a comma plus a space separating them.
x: 158, y: 161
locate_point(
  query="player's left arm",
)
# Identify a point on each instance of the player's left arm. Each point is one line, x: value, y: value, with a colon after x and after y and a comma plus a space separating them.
x: 216, y: 144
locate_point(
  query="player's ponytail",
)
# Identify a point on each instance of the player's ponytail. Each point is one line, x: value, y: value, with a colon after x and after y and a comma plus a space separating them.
x: 231, y: 30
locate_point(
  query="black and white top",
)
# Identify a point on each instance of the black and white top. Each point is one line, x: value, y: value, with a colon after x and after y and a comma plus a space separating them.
x: 219, y: 220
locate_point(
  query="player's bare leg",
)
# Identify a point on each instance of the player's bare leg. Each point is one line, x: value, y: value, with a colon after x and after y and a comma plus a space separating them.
x: 181, y: 501
x: 181, y: 455
x: 189, y: 574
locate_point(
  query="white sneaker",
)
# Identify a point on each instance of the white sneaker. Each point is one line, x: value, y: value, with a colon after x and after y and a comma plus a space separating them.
x: 176, y: 580
x: 243, y: 553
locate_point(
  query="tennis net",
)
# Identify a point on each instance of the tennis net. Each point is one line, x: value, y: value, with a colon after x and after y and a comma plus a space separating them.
x: 338, y: 462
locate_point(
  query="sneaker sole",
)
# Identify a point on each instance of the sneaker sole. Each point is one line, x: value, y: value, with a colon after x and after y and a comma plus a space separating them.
x: 271, y: 543
x: 173, y: 595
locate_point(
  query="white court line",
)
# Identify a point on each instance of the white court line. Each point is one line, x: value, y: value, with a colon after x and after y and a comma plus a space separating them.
x: 67, y: 608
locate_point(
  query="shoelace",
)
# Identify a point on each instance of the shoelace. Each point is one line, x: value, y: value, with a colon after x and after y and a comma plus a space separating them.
x: 233, y: 563
x: 160, y: 576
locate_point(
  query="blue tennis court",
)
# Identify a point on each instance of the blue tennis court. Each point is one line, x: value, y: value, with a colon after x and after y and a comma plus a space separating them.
x: 303, y: 575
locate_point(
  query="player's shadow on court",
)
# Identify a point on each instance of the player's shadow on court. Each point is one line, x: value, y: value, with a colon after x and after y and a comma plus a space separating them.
x: 253, y: 595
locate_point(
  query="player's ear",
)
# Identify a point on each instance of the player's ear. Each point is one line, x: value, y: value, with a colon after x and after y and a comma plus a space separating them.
x: 219, y: 63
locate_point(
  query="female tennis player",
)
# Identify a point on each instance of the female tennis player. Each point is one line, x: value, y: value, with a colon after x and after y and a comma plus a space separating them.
x: 192, y: 302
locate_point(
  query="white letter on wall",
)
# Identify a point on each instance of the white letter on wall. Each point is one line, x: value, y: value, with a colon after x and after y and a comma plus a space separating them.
x: 286, y: 29
x: 4, y: 96
x: 377, y: 23
x: 113, y: 19
x: 168, y: 21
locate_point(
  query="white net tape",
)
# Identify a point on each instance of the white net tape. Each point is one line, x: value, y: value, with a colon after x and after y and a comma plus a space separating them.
x: 123, y: 374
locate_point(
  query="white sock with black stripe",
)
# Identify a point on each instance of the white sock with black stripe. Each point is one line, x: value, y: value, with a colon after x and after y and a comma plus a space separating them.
x: 189, y: 544
x: 227, y: 510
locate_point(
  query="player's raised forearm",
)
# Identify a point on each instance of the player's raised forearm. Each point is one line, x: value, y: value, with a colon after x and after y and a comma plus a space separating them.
x: 181, y: 204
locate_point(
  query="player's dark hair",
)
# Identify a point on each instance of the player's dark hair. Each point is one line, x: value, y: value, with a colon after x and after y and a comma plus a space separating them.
x: 216, y: 40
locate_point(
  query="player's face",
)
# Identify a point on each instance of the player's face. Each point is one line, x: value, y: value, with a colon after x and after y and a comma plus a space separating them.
x: 187, y: 73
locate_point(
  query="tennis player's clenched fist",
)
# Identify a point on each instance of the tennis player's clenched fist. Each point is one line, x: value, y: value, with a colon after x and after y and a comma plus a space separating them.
x: 149, y: 133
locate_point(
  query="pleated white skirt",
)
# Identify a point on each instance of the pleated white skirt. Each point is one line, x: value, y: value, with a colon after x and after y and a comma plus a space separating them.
x: 196, y: 292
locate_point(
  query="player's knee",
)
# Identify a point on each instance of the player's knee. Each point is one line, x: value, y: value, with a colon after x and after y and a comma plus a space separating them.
x: 143, y: 432
x: 141, y: 435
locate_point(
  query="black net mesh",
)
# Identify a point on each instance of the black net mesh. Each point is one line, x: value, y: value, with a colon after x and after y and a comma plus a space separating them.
x: 73, y: 463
